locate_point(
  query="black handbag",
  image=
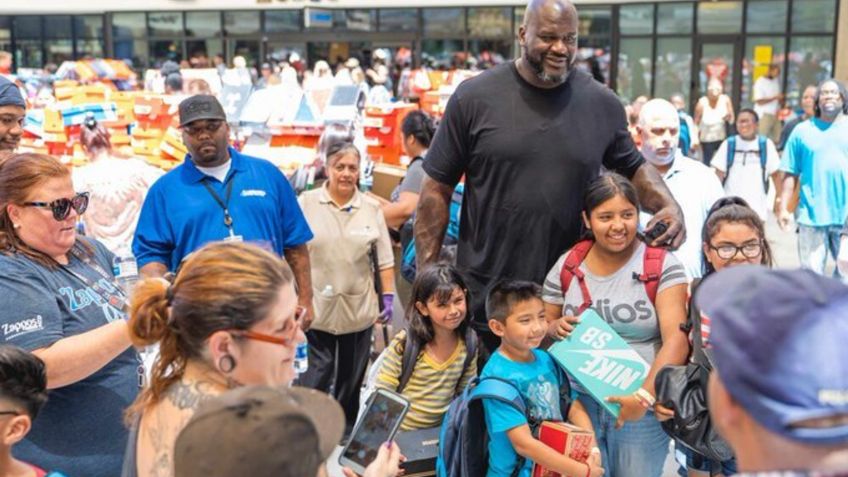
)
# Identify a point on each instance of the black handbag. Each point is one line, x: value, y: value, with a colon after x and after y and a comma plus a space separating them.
x: 684, y: 390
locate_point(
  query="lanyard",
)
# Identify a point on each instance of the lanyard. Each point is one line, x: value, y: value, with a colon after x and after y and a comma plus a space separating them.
x: 117, y: 299
x: 228, y: 219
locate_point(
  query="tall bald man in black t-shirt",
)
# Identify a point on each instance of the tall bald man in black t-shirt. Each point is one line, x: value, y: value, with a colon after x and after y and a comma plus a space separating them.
x: 529, y: 136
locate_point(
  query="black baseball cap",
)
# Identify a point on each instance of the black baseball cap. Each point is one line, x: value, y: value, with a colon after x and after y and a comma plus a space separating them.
x: 201, y: 106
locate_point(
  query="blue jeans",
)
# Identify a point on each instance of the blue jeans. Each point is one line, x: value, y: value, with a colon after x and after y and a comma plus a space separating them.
x: 815, y: 244
x: 638, y: 449
x: 701, y: 464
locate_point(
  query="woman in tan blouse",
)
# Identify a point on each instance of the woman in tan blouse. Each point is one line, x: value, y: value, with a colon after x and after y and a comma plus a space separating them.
x: 349, y: 230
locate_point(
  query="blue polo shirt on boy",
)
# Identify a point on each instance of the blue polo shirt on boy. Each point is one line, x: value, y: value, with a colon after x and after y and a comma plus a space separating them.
x: 180, y: 215
x: 538, y: 383
x: 817, y: 152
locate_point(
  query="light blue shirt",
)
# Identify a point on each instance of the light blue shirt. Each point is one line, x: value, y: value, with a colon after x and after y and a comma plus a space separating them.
x: 539, y: 386
x: 817, y: 152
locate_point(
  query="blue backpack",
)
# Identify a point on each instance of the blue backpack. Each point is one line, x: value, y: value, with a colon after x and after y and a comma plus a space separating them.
x: 464, y: 439
x: 407, y: 264
x: 685, y: 142
x: 731, y: 155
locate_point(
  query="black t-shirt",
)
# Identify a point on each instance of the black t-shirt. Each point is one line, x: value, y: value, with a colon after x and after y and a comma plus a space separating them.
x: 528, y: 155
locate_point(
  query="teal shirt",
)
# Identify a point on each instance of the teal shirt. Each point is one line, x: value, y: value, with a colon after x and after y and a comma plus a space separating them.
x: 817, y: 152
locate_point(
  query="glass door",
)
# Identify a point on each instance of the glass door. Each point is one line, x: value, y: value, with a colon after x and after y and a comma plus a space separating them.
x: 718, y: 59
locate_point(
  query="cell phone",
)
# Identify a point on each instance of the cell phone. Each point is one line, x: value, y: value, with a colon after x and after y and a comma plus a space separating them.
x: 658, y: 229
x: 382, y: 418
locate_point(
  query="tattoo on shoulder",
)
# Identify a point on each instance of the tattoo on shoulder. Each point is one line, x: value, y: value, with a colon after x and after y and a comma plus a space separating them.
x: 189, y: 395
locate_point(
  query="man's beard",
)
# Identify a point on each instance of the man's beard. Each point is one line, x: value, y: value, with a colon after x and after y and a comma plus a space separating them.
x: 537, y: 64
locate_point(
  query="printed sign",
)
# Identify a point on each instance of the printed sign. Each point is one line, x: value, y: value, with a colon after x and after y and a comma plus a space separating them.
x: 600, y: 360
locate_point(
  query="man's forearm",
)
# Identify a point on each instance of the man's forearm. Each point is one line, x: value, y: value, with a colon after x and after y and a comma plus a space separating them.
x: 786, y: 190
x: 653, y: 193
x: 431, y: 220
x: 153, y: 270
x: 298, y: 259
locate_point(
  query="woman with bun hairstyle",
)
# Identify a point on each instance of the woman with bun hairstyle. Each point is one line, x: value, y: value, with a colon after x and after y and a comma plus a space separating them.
x: 230, y: 318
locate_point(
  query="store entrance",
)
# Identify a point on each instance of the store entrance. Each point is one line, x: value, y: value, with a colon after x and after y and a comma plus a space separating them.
x: 338, y: 52
x: 720, y: 58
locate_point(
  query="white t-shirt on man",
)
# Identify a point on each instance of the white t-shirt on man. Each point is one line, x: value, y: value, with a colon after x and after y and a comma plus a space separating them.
x: 766, y: 87
x: 746, y: 176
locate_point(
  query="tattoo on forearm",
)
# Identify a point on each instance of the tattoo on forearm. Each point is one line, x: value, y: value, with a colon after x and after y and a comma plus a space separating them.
x: 431, y: 220
x: 298, y: 260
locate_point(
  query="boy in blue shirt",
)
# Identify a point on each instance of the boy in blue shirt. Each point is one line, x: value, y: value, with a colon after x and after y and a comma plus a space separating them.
x: 516, y: 315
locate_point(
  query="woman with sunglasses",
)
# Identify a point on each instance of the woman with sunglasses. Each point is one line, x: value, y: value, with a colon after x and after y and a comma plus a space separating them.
x: 229, y: 319
x: 59, y: 299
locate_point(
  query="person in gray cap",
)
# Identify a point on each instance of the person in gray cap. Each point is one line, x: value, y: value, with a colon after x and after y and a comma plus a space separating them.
x: 779, y: 390
x: 12, y: 114
x: 263, y: 431
x: 217, y: 193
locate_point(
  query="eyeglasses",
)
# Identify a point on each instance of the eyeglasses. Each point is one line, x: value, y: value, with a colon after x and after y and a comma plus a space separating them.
x: 9, y: 413
x: 62, y: 207
x: 256, y: 336
x: 728, y: 251
x: 210, y: 127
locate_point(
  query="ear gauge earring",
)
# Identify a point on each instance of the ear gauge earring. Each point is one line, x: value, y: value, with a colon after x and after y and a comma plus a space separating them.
x: 16, y: 226
x: 226, y: 364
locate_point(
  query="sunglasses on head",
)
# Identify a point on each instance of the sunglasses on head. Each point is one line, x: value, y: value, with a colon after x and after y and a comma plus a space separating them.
x: 61, y: 208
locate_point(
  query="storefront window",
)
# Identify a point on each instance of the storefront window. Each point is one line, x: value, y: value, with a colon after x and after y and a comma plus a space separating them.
x: 595, y: 21
x: 760, y: 52
x: 249, y: 49
x: 634, y: 68
x: 719, y: 17
x: 89, y: 49
x: 356, y: 20
x: 28, y: 27
x: 675, y: 17
x: 674, y: 63
x: 28, y: 54
x: 636, y: 19
x: 277, y: 21
x: 398, y: 19
x: 88, y: 26
x: 442, y: 53
x: 444, y: 21
x: 241, y: 23
x: 813, y: 16
x: 766, y: 16
x: 489, y: 22
x: 165, y: 23
x: 201, y: 52
x: 810, y: 62
x: 488, y: 53
x: 5, y: 34
x: 165, y: 50
x: 59, y: 51
x: 133, y: 50
x: 128, y: 25
x: 203, y: 24
x: 57, y: 26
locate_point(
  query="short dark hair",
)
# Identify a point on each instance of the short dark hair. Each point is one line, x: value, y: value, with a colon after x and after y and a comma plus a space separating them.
x: 842, y: 92
x: 605, y: 188
x: 505, y: 294
x: 751, y: 112
x: 419, y: 125
x: 23, y: 379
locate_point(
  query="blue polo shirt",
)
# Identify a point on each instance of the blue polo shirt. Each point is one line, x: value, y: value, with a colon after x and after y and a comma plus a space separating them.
x: 180, y: 215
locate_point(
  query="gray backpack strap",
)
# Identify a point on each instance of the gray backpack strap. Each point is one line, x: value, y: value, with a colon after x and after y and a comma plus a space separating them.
x: 411, y: 350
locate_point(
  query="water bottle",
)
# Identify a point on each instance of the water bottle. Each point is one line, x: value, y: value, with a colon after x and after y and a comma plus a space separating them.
x: 125, y: 269
x: 301, y: 358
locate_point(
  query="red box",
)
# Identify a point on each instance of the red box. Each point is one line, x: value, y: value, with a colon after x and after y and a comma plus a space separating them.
x: 566, y: 439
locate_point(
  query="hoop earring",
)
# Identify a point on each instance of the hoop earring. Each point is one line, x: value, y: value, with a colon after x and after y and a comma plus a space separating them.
x: 226, y: 364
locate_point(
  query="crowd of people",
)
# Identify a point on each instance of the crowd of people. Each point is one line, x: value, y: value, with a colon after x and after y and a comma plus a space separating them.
x: 569, y: 201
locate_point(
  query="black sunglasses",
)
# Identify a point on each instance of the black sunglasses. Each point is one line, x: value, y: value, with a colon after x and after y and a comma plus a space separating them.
x: 62, y: 207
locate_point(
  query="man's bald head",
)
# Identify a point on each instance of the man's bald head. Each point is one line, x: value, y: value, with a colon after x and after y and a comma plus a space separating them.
x: 657, y: 109
x: 548, y: 7
x: 548, y: 38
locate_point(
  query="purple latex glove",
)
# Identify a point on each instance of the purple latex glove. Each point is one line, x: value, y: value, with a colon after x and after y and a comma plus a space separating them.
x: 386, y: 314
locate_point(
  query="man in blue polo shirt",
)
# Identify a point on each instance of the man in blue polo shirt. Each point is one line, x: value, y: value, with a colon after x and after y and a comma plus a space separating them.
x: 220, y: 194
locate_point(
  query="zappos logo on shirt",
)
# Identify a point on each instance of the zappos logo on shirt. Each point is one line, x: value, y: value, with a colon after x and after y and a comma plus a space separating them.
x: 253, y: 193
x: 621, y: 312
x: 23, y: 327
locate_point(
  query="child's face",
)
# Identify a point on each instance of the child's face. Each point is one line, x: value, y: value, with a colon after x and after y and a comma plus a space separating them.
x: 613, y: 223
x: 525, y: 326
x: 723, y: 249
x: 447, y: 315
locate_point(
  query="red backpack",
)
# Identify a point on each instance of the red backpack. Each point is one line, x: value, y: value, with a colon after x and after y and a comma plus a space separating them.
x: 651, y: 271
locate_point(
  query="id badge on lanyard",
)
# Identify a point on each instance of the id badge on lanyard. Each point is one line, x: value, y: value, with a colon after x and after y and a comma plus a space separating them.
x: 224, y: 204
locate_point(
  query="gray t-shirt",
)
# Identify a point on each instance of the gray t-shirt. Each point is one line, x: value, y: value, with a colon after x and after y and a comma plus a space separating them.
x: 619, y: 298
x: 80, y: 431
x: 414, y: 177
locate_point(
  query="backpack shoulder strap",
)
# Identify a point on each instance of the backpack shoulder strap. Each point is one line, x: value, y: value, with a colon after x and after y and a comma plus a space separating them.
x: 564, y: 392
x: 411, y: 350
x: 470, y: 354
x: 499, y: 389
x: 652, y: 271
x: 763, y: 144
x: 571, y: 269
x: 731, y: 155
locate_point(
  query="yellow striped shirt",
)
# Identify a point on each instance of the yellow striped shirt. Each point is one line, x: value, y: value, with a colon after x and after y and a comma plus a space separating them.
x: 432, y: 386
